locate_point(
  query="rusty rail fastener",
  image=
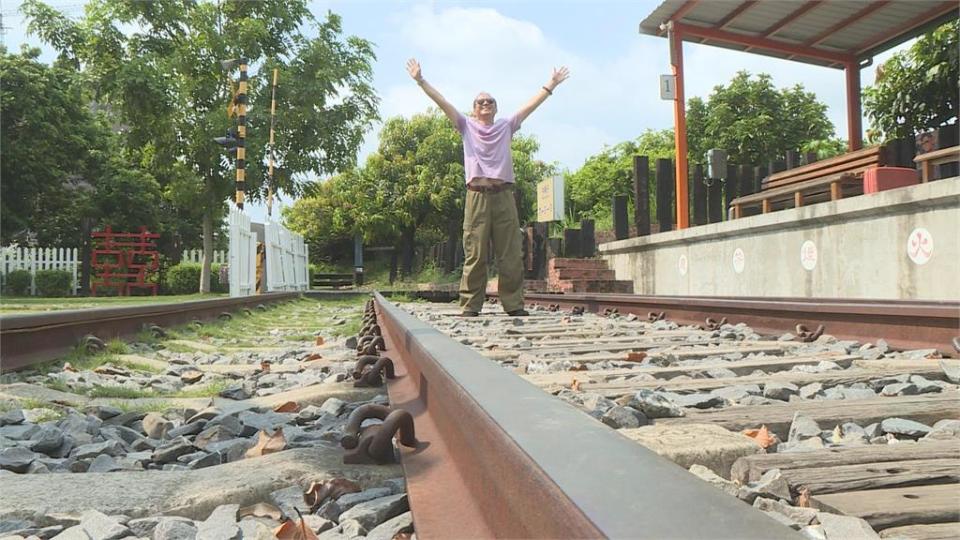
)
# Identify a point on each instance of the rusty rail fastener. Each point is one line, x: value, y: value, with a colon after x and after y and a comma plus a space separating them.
x: 806, y: 336
x: 370, y: 371
x: 374, y: 444
x: 371, y: 344
x: 655, y: 316
x: 713, y: 324
x: 92, y: 344
x: 155, y: 330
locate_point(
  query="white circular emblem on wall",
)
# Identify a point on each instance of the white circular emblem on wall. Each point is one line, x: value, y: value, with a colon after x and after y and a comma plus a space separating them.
x: 920, y: 245
x: 738, y: 260
x: 808, y: 255
x: 683, y: 265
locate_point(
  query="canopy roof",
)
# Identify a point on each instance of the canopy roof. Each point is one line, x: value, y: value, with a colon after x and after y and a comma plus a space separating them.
x: 821, y: 32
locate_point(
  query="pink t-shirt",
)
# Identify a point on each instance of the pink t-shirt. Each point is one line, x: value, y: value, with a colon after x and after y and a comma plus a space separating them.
x: 486, y: 149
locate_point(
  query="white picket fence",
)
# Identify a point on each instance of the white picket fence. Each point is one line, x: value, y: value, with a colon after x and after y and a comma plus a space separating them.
x: 35, y: 259
x: 287, y: 255
x: 243, y: 254
x: 220, y: 256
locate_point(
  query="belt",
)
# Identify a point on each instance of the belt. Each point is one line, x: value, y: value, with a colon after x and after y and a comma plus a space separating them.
x: 490, y: 189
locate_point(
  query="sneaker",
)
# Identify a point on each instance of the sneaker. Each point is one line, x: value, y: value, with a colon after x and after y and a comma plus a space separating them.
x: 468, y: 313
x: 518, y: 313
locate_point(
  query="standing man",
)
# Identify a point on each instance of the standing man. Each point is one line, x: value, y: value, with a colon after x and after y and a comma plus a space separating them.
x: 491, y: 210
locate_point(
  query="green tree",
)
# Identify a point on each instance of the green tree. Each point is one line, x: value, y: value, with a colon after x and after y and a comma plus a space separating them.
x: 61, y: 161
x: 916, y: 90
x: 165, y: 84
x: 753, y: 121
x: 591, y: 188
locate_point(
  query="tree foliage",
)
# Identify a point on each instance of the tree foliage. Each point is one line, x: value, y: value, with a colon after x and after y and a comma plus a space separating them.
x: 753, y: 121
x: 61, y: 161
x: 591, y: 188
x: 916, y: 90
x: 163, y: 83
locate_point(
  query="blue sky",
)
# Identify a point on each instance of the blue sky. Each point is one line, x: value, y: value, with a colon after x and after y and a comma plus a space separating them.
x: 508, y: 48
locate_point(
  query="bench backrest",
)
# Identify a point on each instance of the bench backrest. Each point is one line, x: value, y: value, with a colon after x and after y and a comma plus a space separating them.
x: 852, y: 162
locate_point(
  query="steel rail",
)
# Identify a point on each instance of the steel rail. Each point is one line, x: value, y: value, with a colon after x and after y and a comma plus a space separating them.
x: 498, y: 457
x: 38, y: 337
x: 903, y: 324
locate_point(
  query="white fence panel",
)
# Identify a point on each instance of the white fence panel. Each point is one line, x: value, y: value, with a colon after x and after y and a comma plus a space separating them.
x: 286, y: 259
x: 243, y: 254
x: 35, y: 259
x: 220, y: 256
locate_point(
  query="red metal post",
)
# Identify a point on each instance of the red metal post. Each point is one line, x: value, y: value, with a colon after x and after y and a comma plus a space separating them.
x: 854, y: 124
x: 680, y: 128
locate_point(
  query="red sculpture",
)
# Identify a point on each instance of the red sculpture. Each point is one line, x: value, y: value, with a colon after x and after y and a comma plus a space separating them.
x: 122, y: 261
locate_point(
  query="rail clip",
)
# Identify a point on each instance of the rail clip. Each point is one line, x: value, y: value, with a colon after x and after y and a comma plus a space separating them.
x: 374, y: 444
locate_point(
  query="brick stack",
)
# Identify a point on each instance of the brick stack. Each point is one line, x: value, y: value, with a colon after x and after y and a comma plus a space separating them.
x: 584, y: 275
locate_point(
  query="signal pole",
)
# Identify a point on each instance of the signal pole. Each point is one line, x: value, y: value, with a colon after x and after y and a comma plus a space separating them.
x: 241, y: 183
x: 273, y: 113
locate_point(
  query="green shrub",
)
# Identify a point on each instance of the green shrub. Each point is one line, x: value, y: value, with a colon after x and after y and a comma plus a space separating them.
x: 184, y: 278
x: 18, y: 283
x: 53, y: 282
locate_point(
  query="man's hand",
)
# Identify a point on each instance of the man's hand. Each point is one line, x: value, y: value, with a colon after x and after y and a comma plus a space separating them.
x: 559, y: 75
x: 413, y: 68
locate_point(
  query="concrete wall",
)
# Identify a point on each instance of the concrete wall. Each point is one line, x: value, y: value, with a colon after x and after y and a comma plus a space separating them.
x: 861, y: 246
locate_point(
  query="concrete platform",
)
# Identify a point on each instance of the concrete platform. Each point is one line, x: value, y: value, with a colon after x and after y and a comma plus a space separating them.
x: 896, y: 244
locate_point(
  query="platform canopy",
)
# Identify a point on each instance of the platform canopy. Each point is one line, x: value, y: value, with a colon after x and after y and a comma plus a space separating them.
x: 842, y: 34
x: 822, y: 32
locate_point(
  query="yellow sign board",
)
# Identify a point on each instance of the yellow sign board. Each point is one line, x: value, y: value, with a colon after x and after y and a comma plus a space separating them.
x: 550, y: 199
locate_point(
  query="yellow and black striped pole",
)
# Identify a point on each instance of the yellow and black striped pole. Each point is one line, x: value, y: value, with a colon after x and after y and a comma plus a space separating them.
x: 273, y: 112
x: 241, y: 184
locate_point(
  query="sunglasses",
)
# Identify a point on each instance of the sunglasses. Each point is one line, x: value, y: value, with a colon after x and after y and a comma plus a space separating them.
x: 484, y: 101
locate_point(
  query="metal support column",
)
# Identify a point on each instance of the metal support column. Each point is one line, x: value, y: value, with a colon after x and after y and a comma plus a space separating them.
x: 680, y: 127
x: 854, y: 126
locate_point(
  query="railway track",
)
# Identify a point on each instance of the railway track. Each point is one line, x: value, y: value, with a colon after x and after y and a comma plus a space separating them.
x: 841, y: 426
x: 488, y: 449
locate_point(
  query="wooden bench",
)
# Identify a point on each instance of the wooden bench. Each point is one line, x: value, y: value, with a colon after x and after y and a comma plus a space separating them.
x: 827, y: 180
x: 938, y: 157
x: 331, y: 280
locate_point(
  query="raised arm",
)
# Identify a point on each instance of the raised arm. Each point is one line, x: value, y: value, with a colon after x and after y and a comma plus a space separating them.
x: 559, y: 75
x: 413, y: 68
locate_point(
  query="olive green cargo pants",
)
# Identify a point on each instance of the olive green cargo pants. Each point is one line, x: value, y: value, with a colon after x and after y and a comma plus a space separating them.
x: 486, y: 216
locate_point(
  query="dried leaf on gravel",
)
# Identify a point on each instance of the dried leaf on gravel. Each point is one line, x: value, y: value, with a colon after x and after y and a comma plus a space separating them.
x: 636, y: 356
x: 268, y: 444
x: 761, y: 436
x: 312, y: 357
x: 803, y: 500
x: 575, y: 385
x: 266, y: 510
x: 318, y: 492
x: 265, y: 367
x: 319, y: 341
x: 294, y: 530
x: 287, y: 406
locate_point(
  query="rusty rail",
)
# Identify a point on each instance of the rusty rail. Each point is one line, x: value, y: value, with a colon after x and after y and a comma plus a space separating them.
x: 39, y: 337
x: 497, y: 457
x: 904, y: 324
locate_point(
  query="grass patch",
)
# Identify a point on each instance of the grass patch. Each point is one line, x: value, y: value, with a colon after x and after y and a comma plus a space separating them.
x: 121, y: 392
x: 298, y: 337
x: 9, y: 304
x: 117, y: 346
x: 144, y: 407
x: 209, y: 390
x: 60, y: 386
x: 349, y: 328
